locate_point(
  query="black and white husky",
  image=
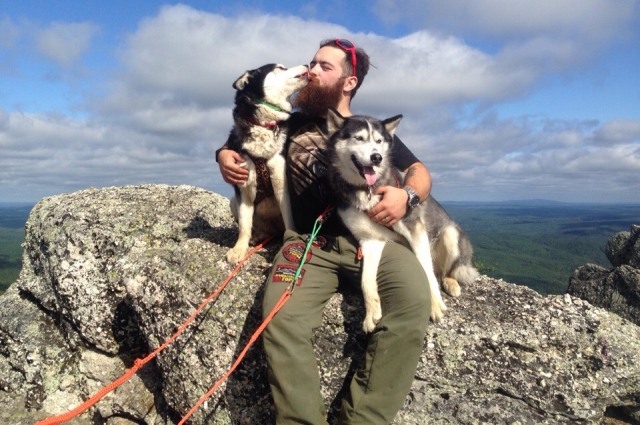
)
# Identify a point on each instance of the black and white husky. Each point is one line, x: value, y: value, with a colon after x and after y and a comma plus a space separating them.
x: 262, y: 107
x: 359, y: 150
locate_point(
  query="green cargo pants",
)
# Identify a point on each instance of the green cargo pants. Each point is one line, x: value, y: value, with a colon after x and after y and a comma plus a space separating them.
x: 378, y: 391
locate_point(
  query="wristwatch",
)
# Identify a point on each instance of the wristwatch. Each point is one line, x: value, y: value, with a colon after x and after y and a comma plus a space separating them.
x: 414, y: 199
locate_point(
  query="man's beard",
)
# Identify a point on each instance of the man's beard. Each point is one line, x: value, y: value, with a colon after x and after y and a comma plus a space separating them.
x: 316, y: 100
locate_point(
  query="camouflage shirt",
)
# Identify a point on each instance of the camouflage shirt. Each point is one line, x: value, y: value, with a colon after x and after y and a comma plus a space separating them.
x: 309, y: 187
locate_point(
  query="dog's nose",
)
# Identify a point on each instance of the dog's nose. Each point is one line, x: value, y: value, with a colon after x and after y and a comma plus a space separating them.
x: 376, y: 158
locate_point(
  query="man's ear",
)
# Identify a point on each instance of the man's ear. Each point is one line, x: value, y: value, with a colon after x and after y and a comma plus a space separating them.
x: 350, y: 83
x: 335, y: 121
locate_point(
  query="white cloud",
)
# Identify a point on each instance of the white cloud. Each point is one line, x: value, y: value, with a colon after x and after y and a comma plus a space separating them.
x: 529, y: 158
x: 618, y: 132
x: 422, y: 70
x: 65, y: 43
x: 167, y: 107
x: 195, y: 53
x: 592, y: 20
x: 42, y: 153
x: 9, y: 33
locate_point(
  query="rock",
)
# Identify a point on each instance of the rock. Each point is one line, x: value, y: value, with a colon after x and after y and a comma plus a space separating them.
x: 615, y: 250
x: 616, y: 289
x: 624, y: 248
x: 108, y: 275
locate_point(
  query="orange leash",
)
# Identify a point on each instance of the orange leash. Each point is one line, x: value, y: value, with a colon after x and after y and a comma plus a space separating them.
x: 138, y: 363
x: 283, y: 299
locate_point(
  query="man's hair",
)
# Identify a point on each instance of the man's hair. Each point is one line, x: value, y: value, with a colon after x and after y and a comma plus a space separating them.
x: 362, y: 63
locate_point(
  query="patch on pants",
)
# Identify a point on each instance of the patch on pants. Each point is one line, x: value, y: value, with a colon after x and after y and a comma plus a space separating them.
x: 285, y: 272
x: 294, y: 251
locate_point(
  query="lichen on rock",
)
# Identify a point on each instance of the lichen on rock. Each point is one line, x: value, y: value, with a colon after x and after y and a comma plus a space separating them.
x: 108, y: 275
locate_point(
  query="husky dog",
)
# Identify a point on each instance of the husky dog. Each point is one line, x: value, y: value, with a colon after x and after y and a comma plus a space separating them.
x: 359, y: 153
x: 262, y: 108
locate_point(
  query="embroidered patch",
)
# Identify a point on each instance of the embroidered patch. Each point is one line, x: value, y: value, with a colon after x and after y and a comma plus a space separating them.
x: 319, y: 242
x: 285, y: 272
x: 293, y: 252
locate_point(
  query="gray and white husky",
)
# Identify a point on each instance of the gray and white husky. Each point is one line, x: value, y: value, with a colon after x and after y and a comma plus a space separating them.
x: 359, y: 153
x: 262, y: 108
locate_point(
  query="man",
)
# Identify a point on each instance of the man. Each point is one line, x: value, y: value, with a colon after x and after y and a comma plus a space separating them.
x: 378, y: 390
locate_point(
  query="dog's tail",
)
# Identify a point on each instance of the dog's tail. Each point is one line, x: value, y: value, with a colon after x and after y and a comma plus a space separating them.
x: 463, y: 270
x: 465, y: 274
x: 454, y: 259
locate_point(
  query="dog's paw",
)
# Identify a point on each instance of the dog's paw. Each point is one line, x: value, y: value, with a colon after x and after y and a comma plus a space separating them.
x: 369, y: 324
x: 373, y: 316
x: 235, y: 255
x: 374, y: 313
x: 451, y: 286
x: 437, y: 310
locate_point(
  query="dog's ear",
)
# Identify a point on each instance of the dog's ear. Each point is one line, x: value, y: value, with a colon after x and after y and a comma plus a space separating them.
x: 390, y: 124
x: 335, y: 121
x: 244, y: 79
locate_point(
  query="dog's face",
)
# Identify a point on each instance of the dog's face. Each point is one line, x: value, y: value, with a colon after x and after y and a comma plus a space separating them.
x: 273, y: 83
x: 360, y: 147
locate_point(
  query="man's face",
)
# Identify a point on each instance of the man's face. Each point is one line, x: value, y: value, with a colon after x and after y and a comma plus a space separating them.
x: 326, y: 82
x: 326, y: 68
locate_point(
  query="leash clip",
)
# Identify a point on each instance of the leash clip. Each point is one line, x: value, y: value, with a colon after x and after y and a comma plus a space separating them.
x: 292, y: 285
x: 324, y: 216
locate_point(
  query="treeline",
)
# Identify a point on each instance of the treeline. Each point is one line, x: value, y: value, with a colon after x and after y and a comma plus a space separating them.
x: 541, y: 245
x: 534, y: 245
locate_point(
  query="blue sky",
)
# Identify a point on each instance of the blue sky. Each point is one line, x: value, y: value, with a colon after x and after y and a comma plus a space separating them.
x: 501, y: 99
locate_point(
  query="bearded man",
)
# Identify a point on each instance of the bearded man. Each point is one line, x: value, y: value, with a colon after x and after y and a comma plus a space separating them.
x: 378, y: 390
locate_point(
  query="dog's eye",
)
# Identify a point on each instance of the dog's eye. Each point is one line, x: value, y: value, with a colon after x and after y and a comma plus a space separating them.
x: 359, y: 138
x: 378, y: 141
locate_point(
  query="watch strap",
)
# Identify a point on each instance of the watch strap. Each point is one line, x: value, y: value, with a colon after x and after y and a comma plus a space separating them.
x: 413, y: 199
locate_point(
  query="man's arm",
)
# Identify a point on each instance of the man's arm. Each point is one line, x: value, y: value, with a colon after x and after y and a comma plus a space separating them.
x: 228, y: 161
x: 393, y: 205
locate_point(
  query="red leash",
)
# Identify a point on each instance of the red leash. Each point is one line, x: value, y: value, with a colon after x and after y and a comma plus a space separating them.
x: 283, y: 299
x: 138, y: 363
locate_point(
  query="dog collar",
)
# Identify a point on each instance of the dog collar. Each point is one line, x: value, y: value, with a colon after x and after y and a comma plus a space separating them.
x: 270, y: 105
x: 271, y: 125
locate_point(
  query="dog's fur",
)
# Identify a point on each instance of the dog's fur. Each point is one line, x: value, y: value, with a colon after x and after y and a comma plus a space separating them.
x: 359, y: 151
x: 262, y: 108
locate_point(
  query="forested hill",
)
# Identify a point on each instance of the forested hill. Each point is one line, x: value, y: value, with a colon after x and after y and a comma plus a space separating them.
x: 540, y: 243
x: 536, y: 243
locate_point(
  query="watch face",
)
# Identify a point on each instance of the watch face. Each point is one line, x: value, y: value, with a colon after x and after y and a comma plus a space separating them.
x: 413, y: 200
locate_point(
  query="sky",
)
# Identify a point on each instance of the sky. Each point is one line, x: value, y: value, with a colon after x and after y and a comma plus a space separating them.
x: 502, y: 99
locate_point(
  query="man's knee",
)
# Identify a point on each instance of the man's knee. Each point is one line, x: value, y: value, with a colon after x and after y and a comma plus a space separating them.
x: 403, y: 286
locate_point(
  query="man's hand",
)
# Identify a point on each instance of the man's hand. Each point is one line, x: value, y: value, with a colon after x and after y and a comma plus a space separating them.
x: 393, y: 205
x: 391, y: 208
x: 232, y: 172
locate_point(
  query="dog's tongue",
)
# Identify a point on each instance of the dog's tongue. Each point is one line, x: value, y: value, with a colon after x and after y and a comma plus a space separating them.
x: 369, y: 175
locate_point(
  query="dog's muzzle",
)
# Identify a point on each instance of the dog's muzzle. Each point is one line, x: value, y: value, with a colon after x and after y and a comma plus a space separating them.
x: 367, y: 172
